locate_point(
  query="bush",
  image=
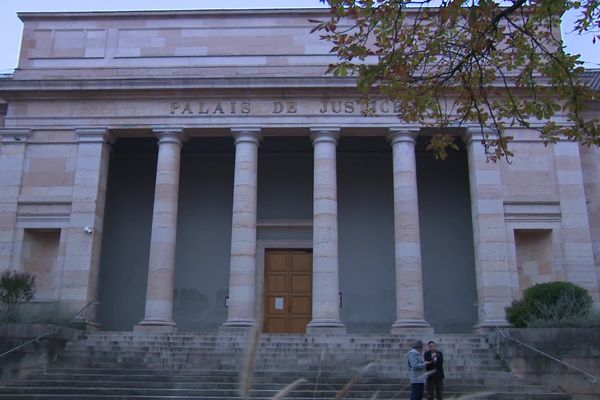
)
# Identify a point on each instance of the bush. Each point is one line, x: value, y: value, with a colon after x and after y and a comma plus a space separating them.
x: 557, y: 300
x: 517, y: 314
x: 15, y: 288
x: 551, y: 304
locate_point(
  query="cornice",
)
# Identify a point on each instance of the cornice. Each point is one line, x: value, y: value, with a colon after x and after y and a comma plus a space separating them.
x: 67, y: 87
x: 28, y: 15
x: 169, y: 83
x: 145, y: 14
x: 150, y: 83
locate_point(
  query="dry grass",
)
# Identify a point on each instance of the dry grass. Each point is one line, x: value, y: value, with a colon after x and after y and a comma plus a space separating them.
x: 346, y: 389
x: 250, y: 360
x: 284, y: 392
x: 321, y: 358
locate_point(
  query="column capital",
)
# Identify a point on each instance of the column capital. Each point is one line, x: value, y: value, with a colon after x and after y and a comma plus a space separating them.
x: 172, y: 135
x: 252, y: 135
x: 14, y: 135
x: 406, y: 135
x: 478, y: 134
x: 94, y: 135
x: 324, y: 135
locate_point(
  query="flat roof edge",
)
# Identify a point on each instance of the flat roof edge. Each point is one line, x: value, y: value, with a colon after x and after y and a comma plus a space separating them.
x: 24, y: 15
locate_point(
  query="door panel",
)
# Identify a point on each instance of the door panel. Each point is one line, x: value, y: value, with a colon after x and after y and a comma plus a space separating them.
x: 301, y: 284
x: 301, y: 305
x: 302, y: 262
x: 288, y: 290
x: 276, y: 325
x: 278, y: 261
x: 277, y: 283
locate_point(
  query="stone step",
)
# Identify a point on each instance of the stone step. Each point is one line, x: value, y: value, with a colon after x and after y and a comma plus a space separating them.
x: 454, y: 385
x: 267, y: 363
x: 405, y: 344
x: 496, y: 396
x: 259, y: 376
x: 289, y: 348
x: 202, y: 363
x: 303, y: 348
x: 241, y: 350
x: 281, y: 338
x: 227, y: 393
x: 125, y: 365
x: 277, y: 336
x: 319, y: 342
x: 281, y: 375
x: 354, y: 345
x: 387, y: 372
x: 181, y: 355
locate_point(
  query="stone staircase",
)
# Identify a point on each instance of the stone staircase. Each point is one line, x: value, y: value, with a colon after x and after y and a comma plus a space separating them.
x: 126, y: 365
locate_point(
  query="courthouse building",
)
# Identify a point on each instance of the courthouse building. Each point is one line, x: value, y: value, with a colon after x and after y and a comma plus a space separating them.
x: 194, y: 169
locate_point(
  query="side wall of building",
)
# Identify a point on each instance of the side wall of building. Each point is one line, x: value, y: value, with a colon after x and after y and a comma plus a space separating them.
x: 590, y: 164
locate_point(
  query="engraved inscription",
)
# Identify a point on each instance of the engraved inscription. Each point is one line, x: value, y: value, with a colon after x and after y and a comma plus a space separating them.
x: 289, y: 107
x: 204, y: 108
x: 282, y: 107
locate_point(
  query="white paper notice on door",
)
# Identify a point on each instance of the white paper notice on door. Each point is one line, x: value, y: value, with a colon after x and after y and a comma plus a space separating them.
x: 279, y: 303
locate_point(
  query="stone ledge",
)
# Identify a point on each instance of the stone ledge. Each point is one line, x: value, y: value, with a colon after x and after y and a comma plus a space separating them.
x: 35, y: 355
x: 31, y: 331
x: 579, y: 347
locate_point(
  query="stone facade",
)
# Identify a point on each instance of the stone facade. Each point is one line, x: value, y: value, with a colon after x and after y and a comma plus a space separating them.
x: 149, y: 159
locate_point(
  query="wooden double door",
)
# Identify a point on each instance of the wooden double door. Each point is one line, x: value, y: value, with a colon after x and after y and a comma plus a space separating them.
x: 288, y: 290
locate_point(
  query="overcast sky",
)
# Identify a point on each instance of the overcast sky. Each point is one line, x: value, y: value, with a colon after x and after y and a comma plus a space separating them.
x: 11, y: 26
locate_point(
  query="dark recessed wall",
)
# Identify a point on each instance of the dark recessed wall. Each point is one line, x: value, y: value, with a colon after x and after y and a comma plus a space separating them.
x: 366, y: 232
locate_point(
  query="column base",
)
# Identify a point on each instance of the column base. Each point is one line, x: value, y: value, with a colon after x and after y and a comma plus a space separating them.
x: 158, y: 326
x: 239, y: 323
x: 411, y: 327
x: 325, y: 326
x: 236, y: 330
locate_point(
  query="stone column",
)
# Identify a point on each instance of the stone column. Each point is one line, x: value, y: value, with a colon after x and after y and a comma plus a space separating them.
x: 161, y: 265
x: 12, y: 157
x: 493, y: 277
x: 578, y: 252
x: 242, y: 269
x: 410, y: 312
x: 325, y: 303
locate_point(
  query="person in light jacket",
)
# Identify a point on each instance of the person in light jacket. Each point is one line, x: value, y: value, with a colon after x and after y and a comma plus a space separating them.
x: 417, y: 373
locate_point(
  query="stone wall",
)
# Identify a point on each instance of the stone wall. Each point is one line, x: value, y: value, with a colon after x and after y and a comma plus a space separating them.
x: 272, y: 42
x: 578, y: 347
x: 34, y: 355
x: 591, y: 177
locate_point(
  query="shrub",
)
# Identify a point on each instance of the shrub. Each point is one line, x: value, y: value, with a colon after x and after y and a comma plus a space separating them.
x: 517, y: 314
x: 15, y: 287
x: 557, y: 300
x: 551, y: 304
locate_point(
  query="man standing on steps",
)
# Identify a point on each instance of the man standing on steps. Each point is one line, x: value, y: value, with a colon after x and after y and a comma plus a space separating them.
x: 435, y: 381
x: 416, y: 366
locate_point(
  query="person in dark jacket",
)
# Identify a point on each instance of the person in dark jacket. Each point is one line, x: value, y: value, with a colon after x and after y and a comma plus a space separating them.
x: 435, y: 381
